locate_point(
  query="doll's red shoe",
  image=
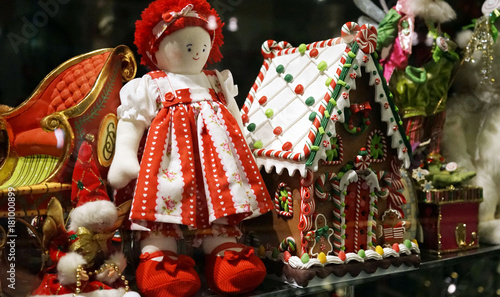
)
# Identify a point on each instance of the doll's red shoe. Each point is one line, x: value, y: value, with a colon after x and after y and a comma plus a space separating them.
x: 174, y: 276
x: 234, y: 272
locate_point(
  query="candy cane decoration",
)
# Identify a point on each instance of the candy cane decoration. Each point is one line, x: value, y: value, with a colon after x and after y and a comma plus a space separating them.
x: 349, y: 31
x: 307, y: 207
x: 288, y: 244
x: 372, y: 222
x: 288, y: 199
x: 357, y: 213
x: 319, y: 187
x: 270, y: 46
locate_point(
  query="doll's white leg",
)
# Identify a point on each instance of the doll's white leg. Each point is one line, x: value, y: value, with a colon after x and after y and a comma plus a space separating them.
x: 211, y: 242
x: 160, y: 243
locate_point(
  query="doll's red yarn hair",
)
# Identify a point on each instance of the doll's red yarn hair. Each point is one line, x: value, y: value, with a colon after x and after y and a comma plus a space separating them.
x: 153, y: 14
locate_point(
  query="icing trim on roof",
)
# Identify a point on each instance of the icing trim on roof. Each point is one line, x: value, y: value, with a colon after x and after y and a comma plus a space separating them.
x: 330, y: 107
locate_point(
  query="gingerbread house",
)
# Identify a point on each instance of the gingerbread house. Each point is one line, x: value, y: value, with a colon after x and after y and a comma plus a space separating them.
x: 322, y: 124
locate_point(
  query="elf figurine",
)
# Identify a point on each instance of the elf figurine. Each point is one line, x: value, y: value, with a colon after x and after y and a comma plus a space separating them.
x: 84, y: 261
x: 196, y: 169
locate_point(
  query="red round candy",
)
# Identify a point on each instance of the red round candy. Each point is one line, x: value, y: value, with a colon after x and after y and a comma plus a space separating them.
x: 395, y: 247
x: 287, y: 146
x: 342, y: 255
x: 287, y: 256
x: 277, y: 130
x: 299, y: 89
x: 314, y: 53
x: 245, y: 118
x: 262, y: 100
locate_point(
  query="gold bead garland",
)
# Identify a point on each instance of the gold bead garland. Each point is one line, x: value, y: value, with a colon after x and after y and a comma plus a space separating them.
x: 113, y: 266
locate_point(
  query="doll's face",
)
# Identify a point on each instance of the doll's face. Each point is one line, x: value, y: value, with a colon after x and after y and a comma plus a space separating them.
x: 184, y: 51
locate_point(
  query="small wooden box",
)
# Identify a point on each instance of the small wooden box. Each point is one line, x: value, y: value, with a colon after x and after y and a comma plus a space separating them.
x: 450, y: 218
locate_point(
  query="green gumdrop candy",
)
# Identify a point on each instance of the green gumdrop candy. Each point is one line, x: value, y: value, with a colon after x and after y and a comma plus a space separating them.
x: 407, y: 243
x: 251, y: 127
x: 305, y: 258
x: 269, y: 113
x: 280, y: 69
x: 361, y: 253
x: 275, y: 253
x: 310, y: 101
x: 302, y: 48
x: 258, y: 144
x: 322, y: 66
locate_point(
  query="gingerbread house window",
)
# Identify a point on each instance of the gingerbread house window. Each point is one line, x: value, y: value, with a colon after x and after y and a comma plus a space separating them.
x: 334, y: 151
x: 377, y: 146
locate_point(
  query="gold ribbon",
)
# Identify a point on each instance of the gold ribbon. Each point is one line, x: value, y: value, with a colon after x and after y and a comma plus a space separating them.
x: 89, y: 244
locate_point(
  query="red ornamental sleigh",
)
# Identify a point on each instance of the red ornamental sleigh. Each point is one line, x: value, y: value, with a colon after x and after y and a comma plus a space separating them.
x: 76, y: 101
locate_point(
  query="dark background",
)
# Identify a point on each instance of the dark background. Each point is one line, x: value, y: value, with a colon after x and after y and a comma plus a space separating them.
x: 34, y: 40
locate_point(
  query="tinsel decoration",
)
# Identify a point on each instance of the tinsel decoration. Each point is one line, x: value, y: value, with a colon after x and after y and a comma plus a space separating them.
x: 482, y: 39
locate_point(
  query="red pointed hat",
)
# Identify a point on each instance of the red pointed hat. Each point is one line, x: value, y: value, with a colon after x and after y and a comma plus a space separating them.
x: 87, y: 185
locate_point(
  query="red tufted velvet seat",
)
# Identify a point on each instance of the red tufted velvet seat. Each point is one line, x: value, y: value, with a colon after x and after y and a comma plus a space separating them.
x: 64, y: 92
x: 77, y: 100
x: 75, y: 83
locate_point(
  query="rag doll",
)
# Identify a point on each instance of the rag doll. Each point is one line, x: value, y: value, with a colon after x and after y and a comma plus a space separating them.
x: 196, y: 168
x: 471, y: 131
x: 84, y: 261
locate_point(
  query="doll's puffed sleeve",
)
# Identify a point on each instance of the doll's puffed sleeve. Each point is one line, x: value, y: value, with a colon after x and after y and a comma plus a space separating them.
x: 230, y: 91
x: 137, y: 110
x: 138, y: 101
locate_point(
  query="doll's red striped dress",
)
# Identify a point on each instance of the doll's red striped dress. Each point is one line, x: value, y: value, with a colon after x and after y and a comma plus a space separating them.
x: 197, y: 168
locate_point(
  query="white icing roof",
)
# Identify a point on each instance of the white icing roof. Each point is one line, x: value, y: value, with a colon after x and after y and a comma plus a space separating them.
x: 285, y: 127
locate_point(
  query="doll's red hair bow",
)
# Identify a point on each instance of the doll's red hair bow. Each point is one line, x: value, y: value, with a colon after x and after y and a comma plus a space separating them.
x: 245, y: 253
x: 171, y: 16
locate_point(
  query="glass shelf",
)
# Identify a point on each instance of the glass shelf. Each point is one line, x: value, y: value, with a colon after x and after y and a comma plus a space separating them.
x: 347, y: 285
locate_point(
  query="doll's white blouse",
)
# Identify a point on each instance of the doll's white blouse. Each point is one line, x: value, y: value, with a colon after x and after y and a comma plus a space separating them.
x: 141, y: 98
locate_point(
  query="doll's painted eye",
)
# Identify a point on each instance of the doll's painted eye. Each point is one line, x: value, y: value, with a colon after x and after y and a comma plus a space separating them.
x: 189, y: 47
